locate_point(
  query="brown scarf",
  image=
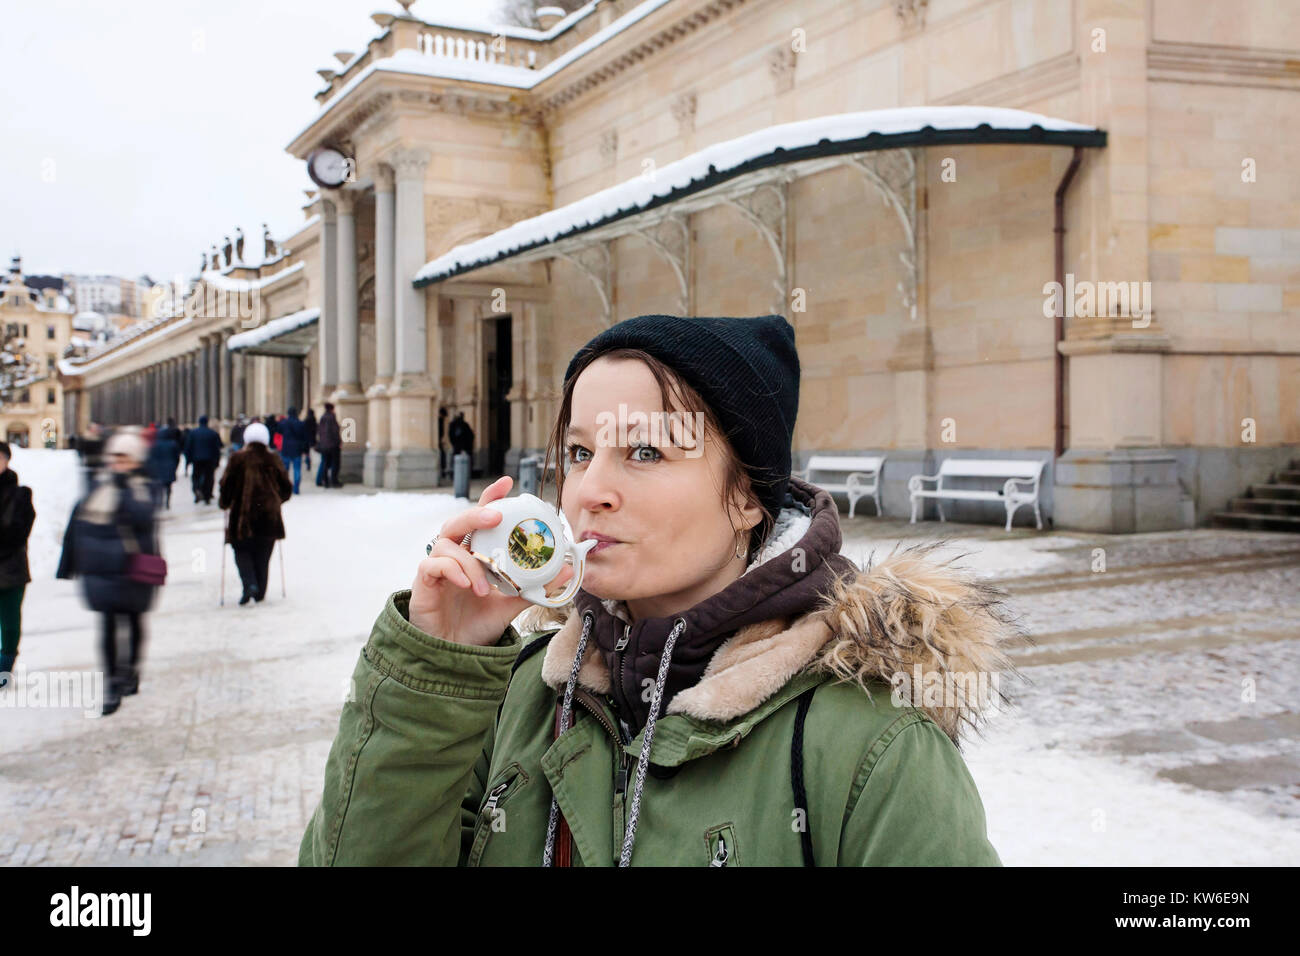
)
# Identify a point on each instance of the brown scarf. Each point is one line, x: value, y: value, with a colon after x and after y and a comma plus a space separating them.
x: 779, y: 587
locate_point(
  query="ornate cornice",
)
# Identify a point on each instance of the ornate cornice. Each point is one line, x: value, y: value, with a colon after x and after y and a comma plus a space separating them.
x: 1222, y: 65
x: 592, y: 76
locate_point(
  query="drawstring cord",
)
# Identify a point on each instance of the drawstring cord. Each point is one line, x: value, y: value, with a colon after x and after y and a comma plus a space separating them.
x: 643, y: 761
x: 566, y: 713
x: 634, y: 814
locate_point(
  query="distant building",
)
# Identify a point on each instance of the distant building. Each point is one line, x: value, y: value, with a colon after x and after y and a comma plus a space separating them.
x: 35, y: 335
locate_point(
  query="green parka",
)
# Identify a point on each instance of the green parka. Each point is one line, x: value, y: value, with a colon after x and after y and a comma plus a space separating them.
x: 446, y: 754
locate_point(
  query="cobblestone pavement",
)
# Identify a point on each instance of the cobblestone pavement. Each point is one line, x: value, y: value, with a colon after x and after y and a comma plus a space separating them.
x: 1149, y: 665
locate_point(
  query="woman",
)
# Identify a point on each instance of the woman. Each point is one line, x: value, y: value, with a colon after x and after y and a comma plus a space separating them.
x: 253, y: 486
x: 721, y: 685
x: 113, y: 522
x: 16, y: 519
x: 164, y: 458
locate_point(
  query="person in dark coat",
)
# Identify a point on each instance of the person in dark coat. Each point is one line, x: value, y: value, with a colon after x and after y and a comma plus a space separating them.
x: 90, y: 448
x: 203, y: 448
x: 442, y: 447
x: 254, y: 485
x: 237, y: 433
x: 309, y: 424
x: 330, y: 442
x: 16, y: 519
x: 164, y: 457
x: 108, y: 526
x: 293, y: 442
x: 461, y: 437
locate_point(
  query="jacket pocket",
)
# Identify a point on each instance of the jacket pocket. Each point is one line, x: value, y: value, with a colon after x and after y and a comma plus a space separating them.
x: 720, y: 844
x: 492, y: 815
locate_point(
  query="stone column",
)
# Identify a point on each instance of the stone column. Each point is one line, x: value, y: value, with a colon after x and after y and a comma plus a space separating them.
x: 385, y: 289
x: 237, y: 384
x: 227, y: 396
x: 412, y: 461
x: 214, y: 379
x: 349, y: 401
x: 201, y: 378
x: 328, y: 343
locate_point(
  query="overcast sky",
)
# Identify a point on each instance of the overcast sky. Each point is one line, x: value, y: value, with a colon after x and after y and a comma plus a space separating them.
x: 136, y: 134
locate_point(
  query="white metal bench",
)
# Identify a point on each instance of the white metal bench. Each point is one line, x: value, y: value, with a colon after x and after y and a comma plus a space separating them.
x: 1013, y: 494
x: 863, y: 480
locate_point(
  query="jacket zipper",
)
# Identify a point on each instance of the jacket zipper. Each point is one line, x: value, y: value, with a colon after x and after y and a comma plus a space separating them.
x: 620, y: 649
x: 592, y: 706
x: 720, y: 856
x: 494, y: 796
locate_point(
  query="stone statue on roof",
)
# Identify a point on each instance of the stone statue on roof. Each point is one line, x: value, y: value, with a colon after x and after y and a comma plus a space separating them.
x: 268, y: 251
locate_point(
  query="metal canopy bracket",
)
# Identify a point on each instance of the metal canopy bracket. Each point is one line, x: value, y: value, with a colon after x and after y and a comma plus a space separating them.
x: 892, y: 173
x: 674, y: 249
x: 765, y: 207
x: 598, y: 271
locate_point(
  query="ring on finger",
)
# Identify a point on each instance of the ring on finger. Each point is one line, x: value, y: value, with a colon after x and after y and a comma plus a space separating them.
x: 464, y: 542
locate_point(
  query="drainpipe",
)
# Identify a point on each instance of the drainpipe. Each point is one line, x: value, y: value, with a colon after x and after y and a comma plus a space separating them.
x: 1059, y: 239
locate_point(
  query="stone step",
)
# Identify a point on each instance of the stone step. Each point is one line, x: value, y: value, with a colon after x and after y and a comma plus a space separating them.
x: 1274, y: 506
x: 1275, y: 491
x: 1254, y: 522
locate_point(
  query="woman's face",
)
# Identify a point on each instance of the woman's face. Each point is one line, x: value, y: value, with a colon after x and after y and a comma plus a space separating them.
x: 660, y: 500
x: 120, y: 462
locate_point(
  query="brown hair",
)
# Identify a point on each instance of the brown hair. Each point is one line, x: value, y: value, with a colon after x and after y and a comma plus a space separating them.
x: 736, y: 484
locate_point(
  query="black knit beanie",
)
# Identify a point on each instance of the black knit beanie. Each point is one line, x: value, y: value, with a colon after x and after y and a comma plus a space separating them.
x: 746, y: 369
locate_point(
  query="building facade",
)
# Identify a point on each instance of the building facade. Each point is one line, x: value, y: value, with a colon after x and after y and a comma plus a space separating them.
x: 36, y: 331
x: 1060, y: 230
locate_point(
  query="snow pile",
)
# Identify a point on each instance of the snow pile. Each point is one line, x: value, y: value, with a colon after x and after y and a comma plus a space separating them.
x: 55, y: 479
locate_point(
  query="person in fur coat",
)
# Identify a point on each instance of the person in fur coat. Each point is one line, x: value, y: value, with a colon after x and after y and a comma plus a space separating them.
x: 253, y: 486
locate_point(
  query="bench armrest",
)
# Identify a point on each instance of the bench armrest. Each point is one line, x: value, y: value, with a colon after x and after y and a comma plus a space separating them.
x: 857, y: 479
x: 1010, y: 487
x: 914, y: 483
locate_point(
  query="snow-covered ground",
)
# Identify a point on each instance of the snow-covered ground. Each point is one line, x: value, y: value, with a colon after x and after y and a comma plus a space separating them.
x: 1133, y: 741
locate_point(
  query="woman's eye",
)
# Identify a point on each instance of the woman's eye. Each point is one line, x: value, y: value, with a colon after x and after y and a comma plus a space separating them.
x: 636, y: 449
x: 572, y: 452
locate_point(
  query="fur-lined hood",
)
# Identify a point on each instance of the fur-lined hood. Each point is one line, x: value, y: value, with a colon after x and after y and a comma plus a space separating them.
x: 910, y: 616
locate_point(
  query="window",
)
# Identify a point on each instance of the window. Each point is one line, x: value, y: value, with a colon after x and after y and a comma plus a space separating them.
x: 49, y: 332
x: 49, y: 396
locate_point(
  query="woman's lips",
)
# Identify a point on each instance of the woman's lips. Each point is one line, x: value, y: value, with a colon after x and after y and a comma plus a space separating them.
x: 602, y: 546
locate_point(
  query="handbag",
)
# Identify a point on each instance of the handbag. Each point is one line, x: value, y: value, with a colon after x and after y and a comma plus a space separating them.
x: 142, y: 568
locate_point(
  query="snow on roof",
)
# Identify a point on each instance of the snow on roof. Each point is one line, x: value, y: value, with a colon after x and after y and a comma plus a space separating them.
x: 783, y: 143
x: 273, y: 329
x: 454, y: 68
x: 92, y: 362
x: 519, y: 33
x: 226, y: 284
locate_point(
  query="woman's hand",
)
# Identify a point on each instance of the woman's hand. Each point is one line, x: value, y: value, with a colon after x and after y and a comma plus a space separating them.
x: 451, y: 596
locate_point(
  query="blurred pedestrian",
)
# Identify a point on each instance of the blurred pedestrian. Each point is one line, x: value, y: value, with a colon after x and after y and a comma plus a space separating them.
x: 16, y: 518
x: 293, y: 442
x: 330, y: 443
x: 112, y: 545
x: 254, y: 485
x: 237, y: 433
x: 203, y: 448
x: 310, y: 424
x: 164, y: 457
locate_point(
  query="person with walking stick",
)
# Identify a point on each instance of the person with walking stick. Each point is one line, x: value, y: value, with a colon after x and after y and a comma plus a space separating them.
x: 253, y: 487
